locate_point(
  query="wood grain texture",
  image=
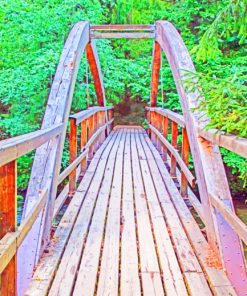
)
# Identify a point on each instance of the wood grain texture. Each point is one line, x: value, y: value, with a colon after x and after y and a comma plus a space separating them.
x: 47, y: 161
x: 208, y: 163
x: 155, y: 74
x: 8, y: 193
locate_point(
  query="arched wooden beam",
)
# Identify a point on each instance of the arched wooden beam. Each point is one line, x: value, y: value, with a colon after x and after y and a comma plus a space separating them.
x: 94, y: 64
x: 155, y: 74
x: 207, y: 159
x: 47, y: 161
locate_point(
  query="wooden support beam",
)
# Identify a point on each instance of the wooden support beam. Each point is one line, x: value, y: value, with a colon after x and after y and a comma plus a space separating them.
x: 72, y: 155
x: 123, y: 35
x: 175, y: 146
x: 185, y: 158
x: 155, y: 74
x: 8, y: 195
x: 124, y: 27
x: 93, y: 60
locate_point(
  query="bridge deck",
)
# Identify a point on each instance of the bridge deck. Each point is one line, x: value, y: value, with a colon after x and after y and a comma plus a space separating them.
x: 128, y: 231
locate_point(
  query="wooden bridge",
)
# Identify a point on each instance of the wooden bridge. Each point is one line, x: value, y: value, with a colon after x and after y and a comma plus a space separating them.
x: 127, y: 227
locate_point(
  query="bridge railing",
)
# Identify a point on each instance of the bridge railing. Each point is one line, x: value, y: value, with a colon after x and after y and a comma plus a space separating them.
x: 96, y: 123
x: 158, y: 121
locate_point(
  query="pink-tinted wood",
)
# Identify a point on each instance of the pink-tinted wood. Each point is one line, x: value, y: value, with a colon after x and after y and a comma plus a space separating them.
x: 83, y: 143
x: 165, y: 134
x: 207, y: 159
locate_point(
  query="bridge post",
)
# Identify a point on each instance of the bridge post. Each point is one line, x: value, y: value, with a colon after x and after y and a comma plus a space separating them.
x: 83, y: 143
x: 174, y: 144
x: 155, y: 74
x: 185, y: 157
x: 73, y: 155
x: 165, y: 134
x: 8, y: 195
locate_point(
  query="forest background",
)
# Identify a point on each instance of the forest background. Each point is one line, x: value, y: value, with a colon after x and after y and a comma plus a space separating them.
x: 32, y: 35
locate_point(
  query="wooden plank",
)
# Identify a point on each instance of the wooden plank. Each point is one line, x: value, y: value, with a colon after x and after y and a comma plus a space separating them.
x: 217, y: 278
x: 155, y: 74
x: 149, y: 266
x: 47, y: 159
x: 44, y: 275
x: 175, y: 153
x: 172, y: 275
x: 83, y: 143
x: 87, y: 273
x: 8, y: 193
x: 14, y: 148
x: 187, y: 259
x: 174, y: 145
x: 124, y: 35
x: 130, y: 282
x: 231, y: 218
x: 230, y: 142
x: 124, y: 27
x: 108, y: 281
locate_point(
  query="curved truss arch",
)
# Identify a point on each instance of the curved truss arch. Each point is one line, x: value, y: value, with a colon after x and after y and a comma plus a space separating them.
x: 47, y: 161
x: 208, y: 163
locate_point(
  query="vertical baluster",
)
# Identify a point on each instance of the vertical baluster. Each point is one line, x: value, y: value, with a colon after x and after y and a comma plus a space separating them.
x: 165, y: 134
x: 90, y: 133
x: 174, y: 144
x: 8, y: 193
x: 83, y: 143
x: 185, y: 157
x: 73, y: 155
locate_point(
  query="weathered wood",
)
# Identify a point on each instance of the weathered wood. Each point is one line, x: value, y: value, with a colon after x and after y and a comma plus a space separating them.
x: 48, y: 157
x: 83, y: 143
x: 230, y: 142
x: 14, y: 148
x: 173, y: 116
x: 124, y: 35
x: 12, y: 240
x: 216, y: 276
x: 124, y: 27
x: 175, y: 153
x: 72, y: 155
x: 174, y: 145
x: 48, y: 266
x: 205, y: 157
x: 172, y: 275
x: 8, y: 193
x: 149, y: 267
x: 86, y: 278
x: 165, y: 134
x: 185, y: 158
x: 237, y: 225
x: 85, y: 114
x: 93, y: 60
x: 155, y: 74
x: 129, y: 278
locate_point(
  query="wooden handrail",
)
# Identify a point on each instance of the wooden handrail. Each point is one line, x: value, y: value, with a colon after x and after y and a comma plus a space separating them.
x: 230, y: 142
x: 173, y: 116
x: 232, y: 219
x: 12, y: 240
x: 174, y: 152
x: 122, y: 28
x: 83, y: 115
x: 16, y: 147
